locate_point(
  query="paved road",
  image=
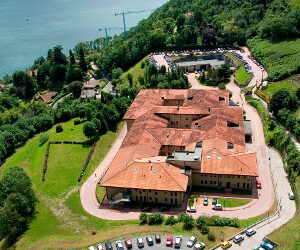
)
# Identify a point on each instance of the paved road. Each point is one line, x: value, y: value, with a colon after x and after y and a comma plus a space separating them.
x: 287, y: 208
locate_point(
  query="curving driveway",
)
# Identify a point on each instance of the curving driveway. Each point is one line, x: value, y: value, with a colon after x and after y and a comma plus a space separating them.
x: 265, y: 196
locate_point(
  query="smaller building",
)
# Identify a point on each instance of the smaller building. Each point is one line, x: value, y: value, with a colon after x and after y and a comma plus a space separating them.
x: 91, y: 89
x: 46, y: 97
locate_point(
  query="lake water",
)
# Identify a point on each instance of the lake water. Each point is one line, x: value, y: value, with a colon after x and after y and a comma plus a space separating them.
x: 28, y: 28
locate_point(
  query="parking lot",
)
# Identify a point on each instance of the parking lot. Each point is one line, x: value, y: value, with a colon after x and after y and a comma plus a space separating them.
x: 155, y: 246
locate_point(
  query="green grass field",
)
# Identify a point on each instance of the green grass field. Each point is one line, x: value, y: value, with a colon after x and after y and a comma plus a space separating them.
x: 240, y: 75
x: 230, y: 202
x: 136, y: 71
x: 274, y: 87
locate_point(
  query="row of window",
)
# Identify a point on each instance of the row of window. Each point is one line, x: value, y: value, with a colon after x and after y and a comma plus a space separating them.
x: 225, y: 176
x: 173, y: 201
x: 172, y: 193
x: 244, y: 185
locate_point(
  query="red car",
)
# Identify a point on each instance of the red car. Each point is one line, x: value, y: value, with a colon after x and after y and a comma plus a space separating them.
x: 258, y: 184
x: 169, y: 241
x: 128, y: 243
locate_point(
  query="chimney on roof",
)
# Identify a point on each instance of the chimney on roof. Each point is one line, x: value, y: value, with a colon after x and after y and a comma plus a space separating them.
x: 151, y: 166
x: 160, y: 176
x: 168, y: 134
x: 208, y: 108
x: 149, y: 161
x: 178, y: 107
x: 162, y: 97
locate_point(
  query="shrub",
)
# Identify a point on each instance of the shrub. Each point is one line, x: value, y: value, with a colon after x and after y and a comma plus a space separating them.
x: 223, y: 221
x: 211, y: 237
x: 59, y: 128
x: 155, y: 219
x: 200, y: 222
x: 43, y: 139
x: 143, y: 218
x: 222, y: 86
x: 182, y: 216
x: 192, y: 200
x: 204, y: 230
x: 171, y: 220
x: 188, y: 222
x: 76, y: 122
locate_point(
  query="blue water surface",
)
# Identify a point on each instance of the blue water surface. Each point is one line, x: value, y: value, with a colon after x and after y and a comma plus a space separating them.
x: 28, y: 28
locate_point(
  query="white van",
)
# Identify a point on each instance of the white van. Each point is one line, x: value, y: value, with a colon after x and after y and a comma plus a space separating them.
x: 291, y: 196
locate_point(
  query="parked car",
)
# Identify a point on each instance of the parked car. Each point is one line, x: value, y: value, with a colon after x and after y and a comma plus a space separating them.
x: 215, y: 201
x: 267, y: 246
x: 217, y: 207
x: 205, y: 201
x: 258, y: 184
x: 238, y: 238
x: 291, y: 196
x: 250, y: 231
x: 140, y: 242
x: 119, y: 245
x: 128, y: 243
x: 169, y: 241
x: 162, y: 209
x: 91, y: 248
x: 191, y: 242
x: 149, y: 240
x: 258, y: 248
x: 199, y: 245
x: 178, y: 241
x: 157, y: 238
x: 99, y: 246
x: 191, y: 209
x: 226, y: 244
x: 146, y: 209
x: 108, y: 245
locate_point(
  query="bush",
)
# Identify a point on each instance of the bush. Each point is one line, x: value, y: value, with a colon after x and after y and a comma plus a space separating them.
x: 43, y: 139
x: 182, y: 216
x: 223, y: 221
x: 204, y: 230
x: 171, y: 220
x: 188, y: 222
x: 222, y: 86
x: 143, y: 218
x: 211, y: 237
x: 155, y: 219
x: 200, y: 222
x: 192, y: 200
x: 59, y: 128
x: 76, y: 122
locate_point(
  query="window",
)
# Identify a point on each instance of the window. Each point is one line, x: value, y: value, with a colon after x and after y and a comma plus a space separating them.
x: 244, y: 185
x: 144, y: 191
x: 248, y: 185
x: 232, y: 177
x: 228, y: 176
x: 172, y: 200
x: 211, y: 182
x: 205, y: 182
x: 232, y: 124
x: 145, y: 198
x: 149, y: 191
x: 215, y: 182
x: 175, y: 201
x: 190, y: 98
x: 221, y: 99
x: 141, y: 198
x: 156, y: 199
x: 230, y: 145
x: 175, y: 193
x: 140, y: 192
x: 201, y: 182
x: 150, y: 198
x: 244, y: 177
x: 239, y: 177
x: 136, y: 198
x: 155, y: 193
x: 166, y: 199
x: 171, y: 193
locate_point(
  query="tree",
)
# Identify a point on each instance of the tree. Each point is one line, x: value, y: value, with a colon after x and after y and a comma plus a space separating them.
x: 180, y: 22
x: 130, y: 78
x: 75, y: 87
x: 17, y: 203
x: 74, y: 73
x: 82, y: 62
x: 58, y: 73
x: 281, y: 99
x: 72, y: 57
x: 188, y: 222
x: 116, y: 73
x: 59, y: 128
x: 58, y: 56
x: 200, y: 222
x: 89, y: 129
x: 170, y: 220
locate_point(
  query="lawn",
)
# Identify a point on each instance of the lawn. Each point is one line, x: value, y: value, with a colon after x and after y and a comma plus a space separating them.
x: 240, y: 75
x: 288, y: 236
x: 230, y: 202
x: 136, y: 71
x: 100, y: 193
x: 274, y: 87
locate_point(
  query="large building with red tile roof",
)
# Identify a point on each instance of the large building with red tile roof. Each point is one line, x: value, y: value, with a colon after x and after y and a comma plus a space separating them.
x: 177, y: 140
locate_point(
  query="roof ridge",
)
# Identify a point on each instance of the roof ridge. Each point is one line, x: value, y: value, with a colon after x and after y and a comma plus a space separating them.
x: 170, y: 174
x: 114, y: 175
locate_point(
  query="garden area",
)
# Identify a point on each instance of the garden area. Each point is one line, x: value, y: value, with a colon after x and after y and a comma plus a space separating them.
x: 273, y: 87
x: 241, y: 75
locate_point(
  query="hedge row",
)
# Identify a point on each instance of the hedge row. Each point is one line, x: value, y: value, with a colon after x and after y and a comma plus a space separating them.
x: 277, y: 138
x: 87, y: 161
x: 46, y: 161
